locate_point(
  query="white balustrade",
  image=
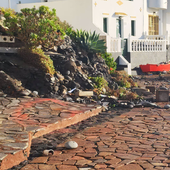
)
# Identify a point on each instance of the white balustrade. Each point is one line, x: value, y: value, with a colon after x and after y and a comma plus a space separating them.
x: 112, y: 44
x: 115, y: 44
x: 146, y: 45
x: 150, y: 44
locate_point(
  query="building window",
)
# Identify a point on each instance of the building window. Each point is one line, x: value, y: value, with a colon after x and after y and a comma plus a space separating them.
x: 105, y: 22
x: 119, y: 27
x: 133, y: 27
x: 153, y: 25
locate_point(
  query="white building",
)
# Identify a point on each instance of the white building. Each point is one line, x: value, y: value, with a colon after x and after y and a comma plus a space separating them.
x: 137, y: 29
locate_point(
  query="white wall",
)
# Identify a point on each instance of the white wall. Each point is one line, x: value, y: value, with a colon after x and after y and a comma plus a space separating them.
x: 85, y: 14
x: 4, y: 3
x: 77, y: 13
x: 166, y: 19
x: 108, y: 8
x: 89, y: 14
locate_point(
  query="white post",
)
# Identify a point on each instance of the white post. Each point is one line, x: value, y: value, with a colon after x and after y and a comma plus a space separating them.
x: 145, y: 35
x: 167, y: 37
x: 164, y: 47
x: 119, y: 44
x: 9, y: 4
x: 129, y: 44
x: 108, y: 43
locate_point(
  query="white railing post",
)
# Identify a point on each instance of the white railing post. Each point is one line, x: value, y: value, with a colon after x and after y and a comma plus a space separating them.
x: 107, y: 43
x: 119, y: 44
x: 167, y: 38
x: 112, y: 44
x: 164, y: 45
x: 130, y: 44
x: 145, y: 35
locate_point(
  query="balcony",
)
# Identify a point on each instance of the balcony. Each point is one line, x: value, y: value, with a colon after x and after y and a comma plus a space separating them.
x: 157, y: 4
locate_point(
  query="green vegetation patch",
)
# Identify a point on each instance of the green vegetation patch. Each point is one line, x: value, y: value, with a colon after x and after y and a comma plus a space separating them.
x: 38, y: 59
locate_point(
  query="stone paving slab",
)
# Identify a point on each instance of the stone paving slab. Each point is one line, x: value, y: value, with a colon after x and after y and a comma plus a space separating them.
x: 22, y: 120
x: 136, y: 140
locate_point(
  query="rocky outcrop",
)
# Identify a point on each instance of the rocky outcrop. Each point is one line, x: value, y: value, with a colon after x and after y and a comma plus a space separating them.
x: 73, y: 69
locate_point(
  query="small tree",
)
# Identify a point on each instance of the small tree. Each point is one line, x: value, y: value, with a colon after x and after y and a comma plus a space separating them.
x: 34, y: 26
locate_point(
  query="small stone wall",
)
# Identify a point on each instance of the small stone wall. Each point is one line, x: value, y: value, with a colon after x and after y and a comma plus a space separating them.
x: 138, y: 58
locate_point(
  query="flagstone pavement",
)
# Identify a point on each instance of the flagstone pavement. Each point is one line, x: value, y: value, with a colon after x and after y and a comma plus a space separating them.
x: 24, y: 119
x: 138, y: 139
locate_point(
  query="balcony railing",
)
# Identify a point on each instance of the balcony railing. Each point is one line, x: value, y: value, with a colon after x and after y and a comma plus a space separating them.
x: 151, y: 43
x: 112, y: 44
x: 146, y: 45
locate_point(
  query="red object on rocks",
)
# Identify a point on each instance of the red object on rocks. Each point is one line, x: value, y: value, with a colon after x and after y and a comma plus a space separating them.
x: 155, y: 67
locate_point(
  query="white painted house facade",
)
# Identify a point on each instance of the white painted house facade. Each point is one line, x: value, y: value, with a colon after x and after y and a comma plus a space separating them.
x: 136, y: 29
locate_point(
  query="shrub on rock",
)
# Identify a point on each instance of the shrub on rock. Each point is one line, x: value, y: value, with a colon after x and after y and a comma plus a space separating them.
x: 35, y: 27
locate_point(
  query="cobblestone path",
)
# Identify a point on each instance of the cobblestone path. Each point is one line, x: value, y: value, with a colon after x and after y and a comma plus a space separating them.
x: 136, y: 140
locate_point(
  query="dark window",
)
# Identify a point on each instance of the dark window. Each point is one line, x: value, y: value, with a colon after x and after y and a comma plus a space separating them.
x: 105, y: 25
x: 132, y: 27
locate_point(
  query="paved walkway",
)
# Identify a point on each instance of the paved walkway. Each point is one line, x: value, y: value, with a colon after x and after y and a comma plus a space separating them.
x: 22, y: 120
x: 135, y: 140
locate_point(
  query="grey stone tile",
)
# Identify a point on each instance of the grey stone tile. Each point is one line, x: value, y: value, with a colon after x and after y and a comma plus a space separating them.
x: 17, y: 145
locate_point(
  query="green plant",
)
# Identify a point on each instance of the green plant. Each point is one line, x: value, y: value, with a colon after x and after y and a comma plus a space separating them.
x: 113, y: 106
x: 88, y: 41
x: 38, y: 59
x: 109, y: 61
x: 64, y: 25
x: 123, y: 93
x: 8, y: 12
x: 70, y: 32
x: 123, y: 79
x: 99, y: 83
x: 34, y: 26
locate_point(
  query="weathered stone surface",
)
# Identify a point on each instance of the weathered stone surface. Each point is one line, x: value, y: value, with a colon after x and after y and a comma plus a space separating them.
x: 21, y: 146
x: 2, y: 156
x: 71, y: 145
x: 30, y: 166
x: 11, y: 160
x: 162, y: 95
x: 130, y: 167
x: 39, y: 160
x: 46, y: 167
